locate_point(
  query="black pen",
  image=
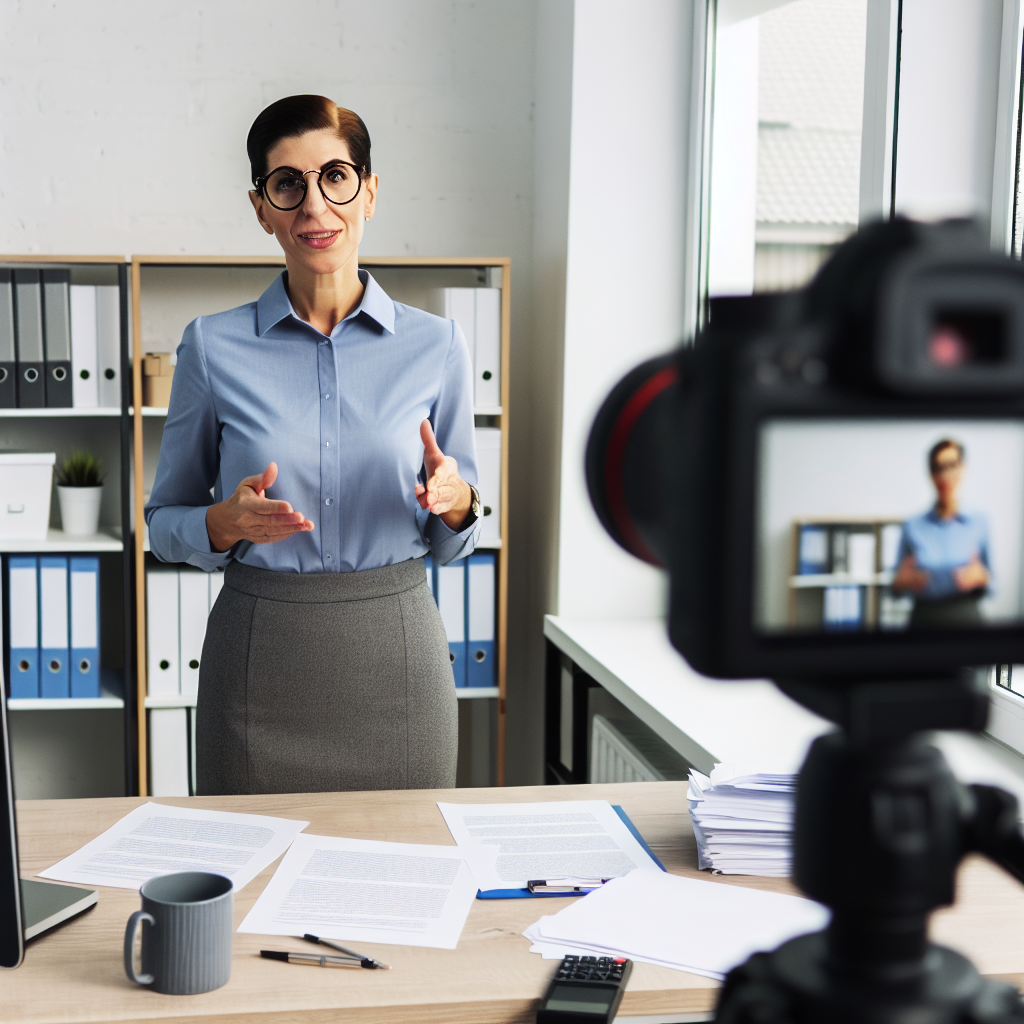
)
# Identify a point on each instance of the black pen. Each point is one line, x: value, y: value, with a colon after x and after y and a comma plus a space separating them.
x: 365, y: 961
x: 313, y: 959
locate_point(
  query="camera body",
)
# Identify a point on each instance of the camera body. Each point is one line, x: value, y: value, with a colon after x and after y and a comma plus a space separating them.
x: 832, y: 396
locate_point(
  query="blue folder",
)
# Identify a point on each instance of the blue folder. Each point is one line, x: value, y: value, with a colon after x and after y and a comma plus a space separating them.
x: 53, y: 627
x: 519, y: 894
x: 480, y: 663
x: 84, y: 603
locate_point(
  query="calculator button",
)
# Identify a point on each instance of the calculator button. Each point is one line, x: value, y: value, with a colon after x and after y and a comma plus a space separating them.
x: 620, y: 960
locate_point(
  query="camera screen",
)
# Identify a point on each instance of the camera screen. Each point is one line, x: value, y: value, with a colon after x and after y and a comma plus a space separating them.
x: 875, y: 525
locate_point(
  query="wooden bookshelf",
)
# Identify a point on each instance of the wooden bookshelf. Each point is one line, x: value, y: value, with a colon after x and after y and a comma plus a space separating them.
x: 498, y: 416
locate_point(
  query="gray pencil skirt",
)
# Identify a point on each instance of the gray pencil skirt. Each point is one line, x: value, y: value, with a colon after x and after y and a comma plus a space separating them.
x: 325, y: 682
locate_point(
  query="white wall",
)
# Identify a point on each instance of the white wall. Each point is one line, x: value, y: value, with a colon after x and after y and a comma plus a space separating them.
x: 538, y: 396
x: 949, y: 74
x: 624, y: 280
x: 878, y: 470
x: 124, y: 123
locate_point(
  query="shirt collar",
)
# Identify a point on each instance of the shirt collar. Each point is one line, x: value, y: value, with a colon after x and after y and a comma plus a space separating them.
x: 933, y: 515
x: 273, y: 305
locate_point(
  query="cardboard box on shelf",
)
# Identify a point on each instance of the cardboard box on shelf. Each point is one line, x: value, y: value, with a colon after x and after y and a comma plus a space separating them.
x: 157, y: 377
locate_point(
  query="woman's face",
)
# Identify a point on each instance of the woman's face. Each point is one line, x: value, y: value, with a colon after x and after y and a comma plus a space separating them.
x: 318, y: 235
x: 947, y: 472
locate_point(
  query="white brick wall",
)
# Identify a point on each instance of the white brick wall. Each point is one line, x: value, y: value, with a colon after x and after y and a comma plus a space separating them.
x: 123, y: 122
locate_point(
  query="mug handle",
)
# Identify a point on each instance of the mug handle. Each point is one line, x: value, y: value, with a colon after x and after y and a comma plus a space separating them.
x: 129, y: 944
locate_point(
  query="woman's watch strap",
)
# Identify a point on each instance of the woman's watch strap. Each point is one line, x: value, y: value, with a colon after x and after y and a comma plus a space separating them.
x: 475, y: 508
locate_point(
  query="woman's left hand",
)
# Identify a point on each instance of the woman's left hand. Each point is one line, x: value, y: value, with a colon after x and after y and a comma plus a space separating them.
x: 446, y: 494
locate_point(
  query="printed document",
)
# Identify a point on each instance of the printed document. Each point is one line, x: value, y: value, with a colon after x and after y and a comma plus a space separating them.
x: 705, y: 928
x: 568, y: 840
x: 367, y: 891
x: 155, y: 839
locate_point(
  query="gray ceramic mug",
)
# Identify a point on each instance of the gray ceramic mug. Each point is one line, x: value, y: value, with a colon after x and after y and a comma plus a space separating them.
x: 186, y: 944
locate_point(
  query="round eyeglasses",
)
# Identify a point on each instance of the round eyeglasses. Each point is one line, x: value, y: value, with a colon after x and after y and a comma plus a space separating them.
x: 285, y: 187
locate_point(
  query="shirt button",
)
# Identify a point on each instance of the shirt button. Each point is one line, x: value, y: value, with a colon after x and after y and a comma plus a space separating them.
x: 328, y: 395
x: 327, y: 444
x: 328, y: 501
x: 328, y: 558
x: 324, y: 342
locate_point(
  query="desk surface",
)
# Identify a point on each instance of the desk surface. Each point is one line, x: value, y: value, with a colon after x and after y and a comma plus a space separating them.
x: 75, y: 974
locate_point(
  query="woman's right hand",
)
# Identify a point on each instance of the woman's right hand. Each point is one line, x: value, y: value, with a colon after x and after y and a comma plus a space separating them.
x: 910, y: 578
x: 249, y: 515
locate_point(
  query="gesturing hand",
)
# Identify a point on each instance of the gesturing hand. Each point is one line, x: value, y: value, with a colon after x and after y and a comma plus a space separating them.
x: 250, y: 515
x: 910, y: 577
x: 971, y: 576
x: 446, y: 494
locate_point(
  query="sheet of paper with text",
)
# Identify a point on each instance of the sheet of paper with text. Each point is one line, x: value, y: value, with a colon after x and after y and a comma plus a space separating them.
x: 156, y: 839
x: 367, y: 891
x: 567, y: 839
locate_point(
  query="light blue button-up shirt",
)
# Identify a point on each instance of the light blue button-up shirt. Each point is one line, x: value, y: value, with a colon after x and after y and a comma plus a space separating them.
x: 942, y: 545
x: 340, y: 416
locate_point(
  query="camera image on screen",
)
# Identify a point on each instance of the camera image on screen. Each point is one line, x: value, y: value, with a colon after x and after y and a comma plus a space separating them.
x: 889, y: 525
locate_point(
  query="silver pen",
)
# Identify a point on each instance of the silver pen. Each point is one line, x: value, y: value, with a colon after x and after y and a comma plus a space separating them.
x: 310, y: 959
x: 365, y: 961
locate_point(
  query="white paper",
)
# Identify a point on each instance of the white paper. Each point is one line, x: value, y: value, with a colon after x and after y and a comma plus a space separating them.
x: 566, y: 839
x: 158, y: 840
x: 742, y: 818
x: 705, y: 928
x: 367, y: 891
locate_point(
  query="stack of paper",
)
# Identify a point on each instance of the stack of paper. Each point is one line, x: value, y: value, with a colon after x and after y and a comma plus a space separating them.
x: 705, y: 928
x: 743, y: 819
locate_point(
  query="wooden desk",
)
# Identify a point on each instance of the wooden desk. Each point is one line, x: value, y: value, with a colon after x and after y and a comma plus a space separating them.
x: 75, y: 973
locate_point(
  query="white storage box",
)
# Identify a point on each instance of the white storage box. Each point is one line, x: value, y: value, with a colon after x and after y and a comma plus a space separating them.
x: 26, y: 480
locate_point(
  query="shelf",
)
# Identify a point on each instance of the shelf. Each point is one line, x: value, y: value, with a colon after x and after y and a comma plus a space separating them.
x: 56, y: 413
x: 489, y: 545
x: 487, y: 410
x: 64, y: 703
x: 58, y: 540
x: 469, y: 692
x: 840, y: 579
x: 153, y: 410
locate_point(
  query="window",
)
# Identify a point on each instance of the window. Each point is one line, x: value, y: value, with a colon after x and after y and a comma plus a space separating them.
x: 786, y: 141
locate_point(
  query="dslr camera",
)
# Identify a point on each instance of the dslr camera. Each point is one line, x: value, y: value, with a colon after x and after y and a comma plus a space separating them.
x: 834, y: 479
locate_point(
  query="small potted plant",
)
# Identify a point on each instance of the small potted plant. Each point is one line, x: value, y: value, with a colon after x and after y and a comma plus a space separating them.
x: 80, y: 491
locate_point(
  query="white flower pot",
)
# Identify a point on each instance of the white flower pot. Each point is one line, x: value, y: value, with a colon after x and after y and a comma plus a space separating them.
x: 80, y: 509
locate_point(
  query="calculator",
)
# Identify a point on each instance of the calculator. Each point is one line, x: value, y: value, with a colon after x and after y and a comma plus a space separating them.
x: 585, y: 990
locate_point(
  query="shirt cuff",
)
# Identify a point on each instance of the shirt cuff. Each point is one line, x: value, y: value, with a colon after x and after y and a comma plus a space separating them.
x: 447, y: 544
x: 179, y: 534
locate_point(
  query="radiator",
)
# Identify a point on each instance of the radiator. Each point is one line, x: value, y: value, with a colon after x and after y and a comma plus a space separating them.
x: 622, y: 751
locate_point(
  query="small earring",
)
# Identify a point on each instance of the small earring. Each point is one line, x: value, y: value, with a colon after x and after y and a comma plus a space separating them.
x: 366, y: 218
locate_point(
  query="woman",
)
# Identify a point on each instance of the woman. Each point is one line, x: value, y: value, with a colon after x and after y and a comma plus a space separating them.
x: 340, y: 426
x: 943, y: 558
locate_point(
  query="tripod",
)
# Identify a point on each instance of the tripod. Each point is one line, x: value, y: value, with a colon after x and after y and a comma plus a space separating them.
x: 881, y: 825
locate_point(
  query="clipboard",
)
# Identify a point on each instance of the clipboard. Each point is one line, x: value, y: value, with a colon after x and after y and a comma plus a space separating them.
x: 525, y: 894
